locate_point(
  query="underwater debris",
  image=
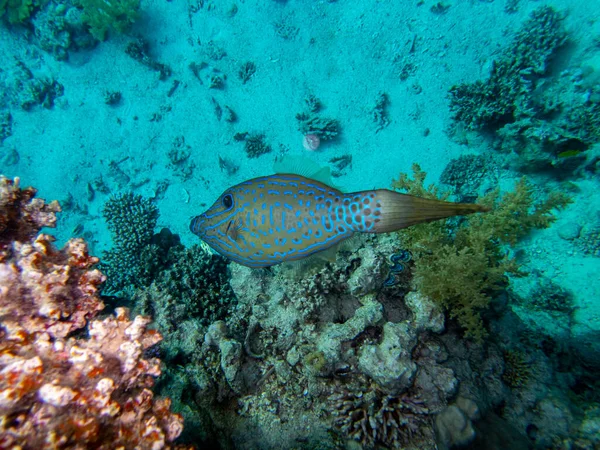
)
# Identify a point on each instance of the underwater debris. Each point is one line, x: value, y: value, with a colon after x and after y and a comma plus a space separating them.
x: 285, y: 29
x: 339, y: 163
x: 179, y: 158
x: 247, y: 70
x: 228, y: 165
x: 256, y: 146
x: 379, y: 112
x: 112, y: 97
x: 138, y: 50
x: 313, y: 104
x: 206, y: 74
x: 5, y: 125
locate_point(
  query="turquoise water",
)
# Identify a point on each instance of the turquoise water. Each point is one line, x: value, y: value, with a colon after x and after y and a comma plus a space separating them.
x: 176, y: 102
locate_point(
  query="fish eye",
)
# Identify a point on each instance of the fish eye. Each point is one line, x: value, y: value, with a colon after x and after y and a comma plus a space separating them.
x: 227, y: 201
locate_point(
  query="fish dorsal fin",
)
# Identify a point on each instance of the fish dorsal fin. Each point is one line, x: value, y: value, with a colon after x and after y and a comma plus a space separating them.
x: 305, y: 167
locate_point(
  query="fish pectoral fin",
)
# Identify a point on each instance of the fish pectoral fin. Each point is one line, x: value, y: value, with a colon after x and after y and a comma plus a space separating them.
x: 232, y: 230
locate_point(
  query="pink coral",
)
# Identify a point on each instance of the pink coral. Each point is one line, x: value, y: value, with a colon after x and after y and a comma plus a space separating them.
x: 57, y: 390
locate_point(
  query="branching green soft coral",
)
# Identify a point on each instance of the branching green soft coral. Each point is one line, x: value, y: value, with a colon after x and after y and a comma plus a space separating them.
x: 16, y: 11
x: 460, y: 266
x: 104, y: 15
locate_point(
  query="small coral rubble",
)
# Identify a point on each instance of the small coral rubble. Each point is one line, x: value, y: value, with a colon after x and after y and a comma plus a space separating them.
x: 57, y: 390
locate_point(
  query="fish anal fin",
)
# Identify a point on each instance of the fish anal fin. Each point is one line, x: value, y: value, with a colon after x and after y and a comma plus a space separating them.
x: 329, y: 254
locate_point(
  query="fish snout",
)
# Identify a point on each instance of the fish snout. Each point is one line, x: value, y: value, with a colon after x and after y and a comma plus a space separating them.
x: 196, y: 225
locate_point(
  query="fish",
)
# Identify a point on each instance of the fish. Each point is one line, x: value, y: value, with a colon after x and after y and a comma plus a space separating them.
x: 288, y: 216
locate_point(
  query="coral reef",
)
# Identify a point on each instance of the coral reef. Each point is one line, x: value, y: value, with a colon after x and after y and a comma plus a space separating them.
x: 507, y: 94
x: 453, y: 425
x: 193, y: 288
x: 303, y: 341
x: 59, y: 28
x: 376, y: 418
x: 16, y: 11
x: 326, y: 355
x: 549, y: 123
x: 103, y: 16
x: 465, y: 175
x: 21, y: 214
x: 59, y: 390
x: 131, y: 220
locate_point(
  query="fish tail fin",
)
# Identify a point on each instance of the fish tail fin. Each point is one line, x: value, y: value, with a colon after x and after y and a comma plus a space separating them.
x: 402, y: 210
